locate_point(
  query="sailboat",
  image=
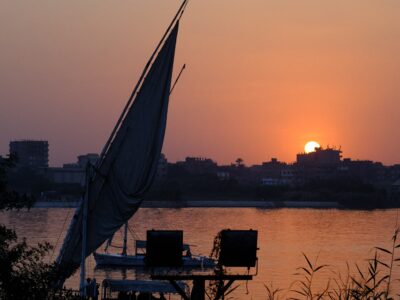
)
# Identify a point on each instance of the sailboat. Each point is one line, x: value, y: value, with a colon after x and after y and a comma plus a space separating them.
x: 115, y: 186
x: 138, y: 259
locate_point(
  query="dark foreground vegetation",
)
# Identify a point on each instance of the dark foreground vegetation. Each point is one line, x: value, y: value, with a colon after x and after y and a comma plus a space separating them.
x: 24, y: 271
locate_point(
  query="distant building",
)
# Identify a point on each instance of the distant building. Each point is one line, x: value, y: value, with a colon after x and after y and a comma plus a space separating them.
x: 320, y: 157
x: 396, y: 186
x: 223, y: 176
x: 393, y: 172
x: 91, y: 158
x: 30, y: 153
x: 288, y: 175
x: 365, y: 170
x: 276, y: 173
x: 270, y: 182
x: 162, y: 168
x: 323, y: 163
x: 269, y: 173
x: 68, y: 174
x: 198, y: 165
x: 273, y: 168
x: 73, y: 173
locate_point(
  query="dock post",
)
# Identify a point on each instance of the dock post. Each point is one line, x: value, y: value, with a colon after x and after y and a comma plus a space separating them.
x: 199, y: 290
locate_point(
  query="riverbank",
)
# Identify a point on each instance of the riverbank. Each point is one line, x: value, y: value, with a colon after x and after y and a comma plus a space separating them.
x: 206, y: 203
x: 244, y: 203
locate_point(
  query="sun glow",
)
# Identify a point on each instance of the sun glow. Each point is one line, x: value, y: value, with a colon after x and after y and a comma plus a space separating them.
x: 310, y: 146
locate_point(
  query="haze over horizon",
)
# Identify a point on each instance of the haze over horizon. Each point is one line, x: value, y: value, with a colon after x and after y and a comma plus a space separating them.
x: 262, y: 77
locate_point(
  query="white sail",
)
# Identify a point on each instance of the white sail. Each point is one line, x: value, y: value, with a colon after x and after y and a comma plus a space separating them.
x: 127, y: 169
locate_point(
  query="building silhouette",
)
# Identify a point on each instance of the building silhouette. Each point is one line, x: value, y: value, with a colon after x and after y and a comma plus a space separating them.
x: 73, y: 173
x: 198, y: 165
x: 272, y: 173
x: 91, y: 158
x: 321, y: 157
x: 322, y: 171
x: 30, y: 153
x: 162, y: 168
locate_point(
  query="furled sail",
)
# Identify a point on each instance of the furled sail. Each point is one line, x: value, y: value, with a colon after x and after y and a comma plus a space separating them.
x: 127, y: 169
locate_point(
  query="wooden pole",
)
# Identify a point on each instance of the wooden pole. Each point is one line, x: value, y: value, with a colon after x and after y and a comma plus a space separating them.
x: 84, y: 234
x: 124, y: 247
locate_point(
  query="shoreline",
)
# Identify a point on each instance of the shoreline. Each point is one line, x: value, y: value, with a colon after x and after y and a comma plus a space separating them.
x: 207, y: 203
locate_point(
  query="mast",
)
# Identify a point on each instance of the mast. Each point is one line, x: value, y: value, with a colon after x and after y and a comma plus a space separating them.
x: 141, y: 79
x: 84, y: 234
x: 124, y: 247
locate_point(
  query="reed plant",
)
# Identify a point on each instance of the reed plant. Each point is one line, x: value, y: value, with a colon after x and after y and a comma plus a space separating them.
x: 374, y: 280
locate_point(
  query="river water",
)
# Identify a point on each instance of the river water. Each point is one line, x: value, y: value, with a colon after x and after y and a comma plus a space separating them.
x: 330, y: 236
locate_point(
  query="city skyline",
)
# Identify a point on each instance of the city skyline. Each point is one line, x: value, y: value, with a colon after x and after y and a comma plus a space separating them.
x: 260, y: 84
x: 309, y: 148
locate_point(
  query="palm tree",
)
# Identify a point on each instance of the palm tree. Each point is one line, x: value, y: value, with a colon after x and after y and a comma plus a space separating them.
x: 239, y: 162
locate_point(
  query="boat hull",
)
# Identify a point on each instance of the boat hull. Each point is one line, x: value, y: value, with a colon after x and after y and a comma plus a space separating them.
x: 138, y: 261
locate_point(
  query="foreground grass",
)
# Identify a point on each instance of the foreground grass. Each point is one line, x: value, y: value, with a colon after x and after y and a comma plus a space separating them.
x: 371, y: 281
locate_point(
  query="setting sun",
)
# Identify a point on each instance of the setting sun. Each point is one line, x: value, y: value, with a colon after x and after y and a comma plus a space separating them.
x: 310, y: 146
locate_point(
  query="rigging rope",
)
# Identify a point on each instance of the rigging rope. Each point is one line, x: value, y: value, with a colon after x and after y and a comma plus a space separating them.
x: 62, y: 230
x: 135, y: 237
x: 139, y: 83
x: 177, y: 78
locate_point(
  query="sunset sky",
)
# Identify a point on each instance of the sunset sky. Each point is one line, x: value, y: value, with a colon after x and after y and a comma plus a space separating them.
x: 263, y: 77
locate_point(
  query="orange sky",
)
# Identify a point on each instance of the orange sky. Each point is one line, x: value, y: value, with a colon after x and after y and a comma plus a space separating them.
x: 262, y: 78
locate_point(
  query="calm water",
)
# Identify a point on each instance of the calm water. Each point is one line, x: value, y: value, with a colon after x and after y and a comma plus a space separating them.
x: 332, y: 236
